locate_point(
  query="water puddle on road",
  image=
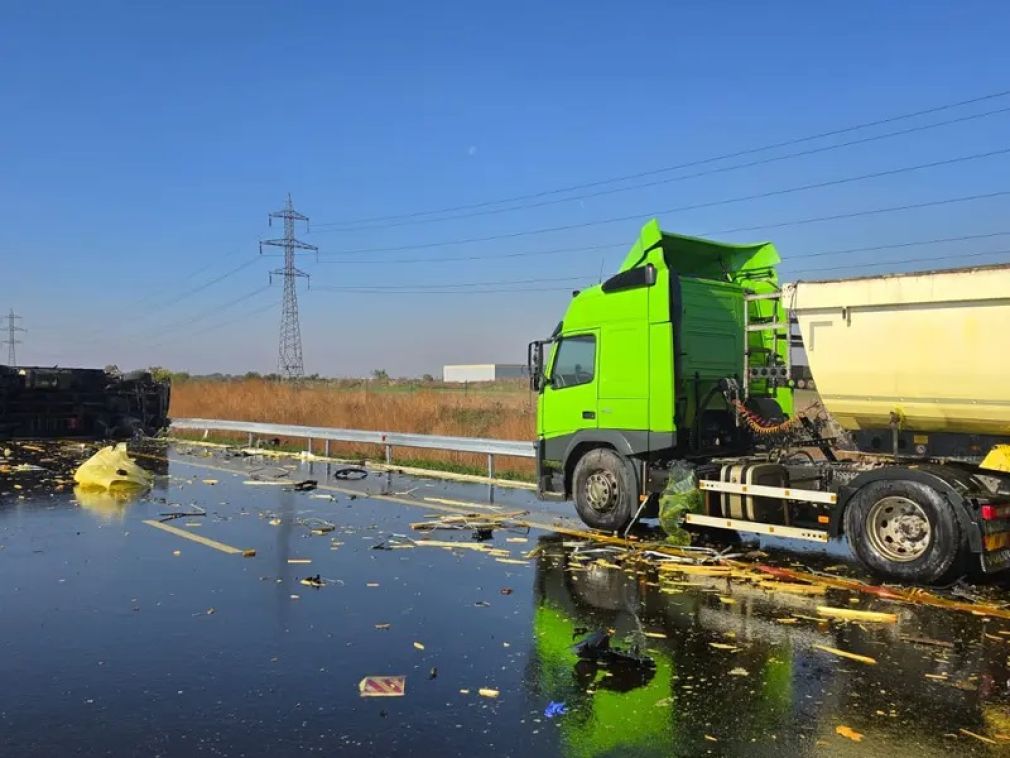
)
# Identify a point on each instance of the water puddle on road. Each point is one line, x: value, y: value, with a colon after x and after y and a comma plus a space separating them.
x: 496, y: 640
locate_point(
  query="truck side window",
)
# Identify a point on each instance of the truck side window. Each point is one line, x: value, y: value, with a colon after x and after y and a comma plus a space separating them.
x: 575, y: 361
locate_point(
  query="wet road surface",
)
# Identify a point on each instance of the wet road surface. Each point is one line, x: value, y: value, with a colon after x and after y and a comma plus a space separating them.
x: 118, y: 637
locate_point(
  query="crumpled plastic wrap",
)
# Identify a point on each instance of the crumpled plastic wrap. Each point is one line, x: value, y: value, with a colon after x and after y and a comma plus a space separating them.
x: 680, y: 496
x: 112, y: 469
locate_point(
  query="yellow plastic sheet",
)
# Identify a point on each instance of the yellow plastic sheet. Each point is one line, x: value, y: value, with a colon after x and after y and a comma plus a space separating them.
x: 111, y: 468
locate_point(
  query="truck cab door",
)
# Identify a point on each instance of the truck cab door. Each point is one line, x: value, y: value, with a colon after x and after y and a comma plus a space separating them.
x: 571, y: 391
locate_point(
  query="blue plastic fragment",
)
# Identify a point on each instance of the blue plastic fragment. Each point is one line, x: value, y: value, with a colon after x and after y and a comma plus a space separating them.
x: 555, y: 709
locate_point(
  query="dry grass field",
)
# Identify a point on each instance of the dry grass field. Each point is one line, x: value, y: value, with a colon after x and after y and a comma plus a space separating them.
x: 503, y: 411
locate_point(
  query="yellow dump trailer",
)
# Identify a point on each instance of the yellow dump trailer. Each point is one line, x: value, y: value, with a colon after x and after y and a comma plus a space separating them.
x: 928, y: 347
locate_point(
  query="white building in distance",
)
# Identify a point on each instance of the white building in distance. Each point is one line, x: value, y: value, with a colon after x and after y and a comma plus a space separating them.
x: 482, y: 372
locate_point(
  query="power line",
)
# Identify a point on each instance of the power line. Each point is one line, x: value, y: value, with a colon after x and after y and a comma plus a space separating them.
x: 688, y: 164
x: 445, y: 285
x: 916, y: 243
x: 695, y: 206
x: 209, y: 312
x: 858, y: 214
x: 553, y: 251
x: 513, y: 290
x: 685, y: 177
x: 949, y: 256
x: 623, y: 246
x: 12, y: 333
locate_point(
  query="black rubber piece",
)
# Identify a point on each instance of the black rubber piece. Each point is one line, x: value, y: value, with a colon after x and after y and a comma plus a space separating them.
x: 618, y: 517
x: 351, y: 474
x: 947, y: 554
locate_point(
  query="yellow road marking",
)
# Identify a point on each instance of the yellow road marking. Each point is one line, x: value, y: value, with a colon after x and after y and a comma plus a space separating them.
x: 197, y: 538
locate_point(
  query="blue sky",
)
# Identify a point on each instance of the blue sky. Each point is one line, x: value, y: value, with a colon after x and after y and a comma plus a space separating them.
x: 144, y: 144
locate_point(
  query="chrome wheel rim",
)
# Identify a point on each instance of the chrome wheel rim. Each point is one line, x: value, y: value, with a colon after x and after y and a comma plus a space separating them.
x: 898, y: 529
x: 601, y: 491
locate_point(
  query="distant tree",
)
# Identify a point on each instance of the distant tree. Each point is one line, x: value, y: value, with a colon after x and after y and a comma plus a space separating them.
x: 428, y: 378
x: 380, y: 375
x: 160, y: 373
x: 252, y: 375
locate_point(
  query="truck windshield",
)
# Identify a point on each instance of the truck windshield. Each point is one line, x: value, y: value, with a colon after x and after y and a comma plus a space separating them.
x: 575, y: 361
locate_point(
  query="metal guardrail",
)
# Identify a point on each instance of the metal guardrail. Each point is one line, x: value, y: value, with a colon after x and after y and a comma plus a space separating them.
x: 388, y: 440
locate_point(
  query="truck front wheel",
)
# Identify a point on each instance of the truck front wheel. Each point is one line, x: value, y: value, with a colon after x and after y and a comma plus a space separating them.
x: 905, y: 530
x: 604, y: 488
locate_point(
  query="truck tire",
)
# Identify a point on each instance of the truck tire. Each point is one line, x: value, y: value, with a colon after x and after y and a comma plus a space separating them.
x: 907, y: 531
x: 605, y: 490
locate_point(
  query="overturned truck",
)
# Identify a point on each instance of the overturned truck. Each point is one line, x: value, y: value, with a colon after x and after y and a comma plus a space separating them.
x: 39, y: 403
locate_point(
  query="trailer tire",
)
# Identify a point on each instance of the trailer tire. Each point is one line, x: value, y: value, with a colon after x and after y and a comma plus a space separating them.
x: 905, y: 530
x: 604, y: 490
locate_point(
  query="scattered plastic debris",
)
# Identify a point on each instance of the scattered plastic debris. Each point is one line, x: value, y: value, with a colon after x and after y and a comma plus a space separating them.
x: 846, y: 654
x: 383, y: 686
x: 555, y: 709
x: 306, y: 485
x: 849, y: 732
x: 312, y: 581
x: 112, y: 468
x: 849, y: 614
x: 488, y: 692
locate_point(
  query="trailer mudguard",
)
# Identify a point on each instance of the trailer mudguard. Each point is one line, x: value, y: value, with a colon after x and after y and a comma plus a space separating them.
x: 955, y: 484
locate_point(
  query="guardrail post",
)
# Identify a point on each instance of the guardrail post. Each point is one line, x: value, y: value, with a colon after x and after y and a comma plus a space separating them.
x: 308, y: 446
x: 250, y: 439
x: 326, y: 448
x: 389, y: 454
x: 490, y: 465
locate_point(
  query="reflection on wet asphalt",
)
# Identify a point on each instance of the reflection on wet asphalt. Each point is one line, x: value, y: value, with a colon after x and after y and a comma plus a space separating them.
x: 118, y: 638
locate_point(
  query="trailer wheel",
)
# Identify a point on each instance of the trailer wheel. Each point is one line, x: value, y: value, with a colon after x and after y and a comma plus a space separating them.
x: 905, y: 530
x: 604, y: 488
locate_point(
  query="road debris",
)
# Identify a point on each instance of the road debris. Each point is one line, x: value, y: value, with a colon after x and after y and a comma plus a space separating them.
x: 849, y: 732
x: 846, y: 654
x: 488, y: 692
x: 849, y: 614
x: 979, y: 737
x: 246, y: 553
x: 555, y: 709
x: 350, y: 474
x: 110, y: 468
x: 383, y: 686
x: 312, y: 581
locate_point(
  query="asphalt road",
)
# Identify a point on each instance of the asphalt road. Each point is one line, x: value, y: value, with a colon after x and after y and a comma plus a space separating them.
x: 119, y: 637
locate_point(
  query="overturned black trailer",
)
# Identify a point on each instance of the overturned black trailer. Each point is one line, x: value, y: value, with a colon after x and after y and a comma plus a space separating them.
x: 39, y: 402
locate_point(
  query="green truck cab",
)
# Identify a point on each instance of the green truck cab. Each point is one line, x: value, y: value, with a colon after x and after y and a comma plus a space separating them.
x: 635, y: 374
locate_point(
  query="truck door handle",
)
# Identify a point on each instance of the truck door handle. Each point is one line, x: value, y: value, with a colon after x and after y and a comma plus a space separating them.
x: 588, y: 414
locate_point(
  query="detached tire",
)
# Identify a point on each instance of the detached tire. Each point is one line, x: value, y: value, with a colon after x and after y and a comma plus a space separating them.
x: 907, y: 531
x: 605, y: 490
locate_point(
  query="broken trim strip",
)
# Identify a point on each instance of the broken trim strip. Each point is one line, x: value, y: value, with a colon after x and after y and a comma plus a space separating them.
x: 199, y: 538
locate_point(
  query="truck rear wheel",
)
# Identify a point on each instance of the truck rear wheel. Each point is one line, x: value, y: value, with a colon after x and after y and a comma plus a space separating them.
x: 905, y: 530
x: 604, y: 488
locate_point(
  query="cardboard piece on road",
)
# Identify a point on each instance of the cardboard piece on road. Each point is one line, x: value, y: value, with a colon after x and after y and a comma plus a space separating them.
x: 383, y: 686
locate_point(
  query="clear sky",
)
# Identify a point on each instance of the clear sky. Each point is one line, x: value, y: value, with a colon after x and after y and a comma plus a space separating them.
x: 143, y: 145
